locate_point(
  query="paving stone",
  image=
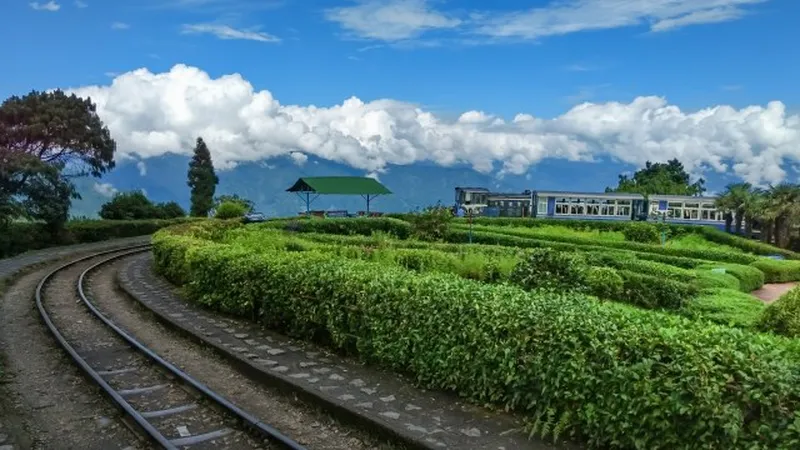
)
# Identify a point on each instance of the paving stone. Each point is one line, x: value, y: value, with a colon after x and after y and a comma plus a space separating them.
x: 312, y: 380
x: 369, y: 391
x: 305, y: 364
x: 358, y: 382
x: 299, y: 375
x: 263, y: 347
x: 294, y: 348
x: 471, y: 432
x: 365, y: 405
x: 251, y: 342
x: 346, y: 397
x: 251, y: 356
x: 276, y: 351
x: 336, y: 377
x: 416, y: 428
x: 6, y: 447
x: 390, y: 414
x: 410, y: 407
x: 239, y: 349
x: 241, y: 335
x: 280, y: 369
x: 388, y: 398
x: 327, y: 388
x: 321, y: 370
x: 3, y: 438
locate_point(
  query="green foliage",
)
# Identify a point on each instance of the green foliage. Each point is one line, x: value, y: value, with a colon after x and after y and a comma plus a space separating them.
x: 545, y: 268
x: 777, y: 271
x: 202, y: 180
x: 668, y: 178
x: 750, y: 278
x: 230, y: 210
x: 605, y: 283
x: 614, y: 376
x: 651, y: 292
x: 364, y: 226
x: 726, y: 307
x: 24, y: 236
x: 247, y: 204
x: 135, y: 205
x: 783, y: 316
x: 642, y: 232
x: 432, y: 223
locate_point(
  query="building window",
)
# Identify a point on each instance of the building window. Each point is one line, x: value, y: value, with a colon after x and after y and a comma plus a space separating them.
x: 541, y: 206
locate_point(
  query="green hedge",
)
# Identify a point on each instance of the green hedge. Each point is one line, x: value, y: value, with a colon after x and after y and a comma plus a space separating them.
x: 709, y: 233
x: 358, y: 226
x: 750, y: 278
x: 778, y: 271
x: 652, y: 292
x: 725, y: 307
x: 22, y: 237
x: 708, y: 254
x: 615, y: 376
x: 783, y: 316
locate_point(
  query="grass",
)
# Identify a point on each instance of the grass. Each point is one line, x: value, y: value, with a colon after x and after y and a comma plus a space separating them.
x: 697, y: 242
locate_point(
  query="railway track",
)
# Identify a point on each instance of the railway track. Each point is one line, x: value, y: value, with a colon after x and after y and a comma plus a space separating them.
x: 166, y: 405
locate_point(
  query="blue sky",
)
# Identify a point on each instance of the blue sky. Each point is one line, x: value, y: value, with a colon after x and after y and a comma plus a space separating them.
x: 541, y: 58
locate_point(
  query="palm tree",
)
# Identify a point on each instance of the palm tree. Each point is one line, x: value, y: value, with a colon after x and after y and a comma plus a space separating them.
x: 733, y: 202
x: 783, y: 207
x: 753, y: 210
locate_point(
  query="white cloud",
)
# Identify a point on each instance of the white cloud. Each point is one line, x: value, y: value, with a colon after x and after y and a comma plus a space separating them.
x: 228, y: 32
x: 391, y: 20
x: 571, y: 16
x: 105, y: 189
x: 299, y: 158
x: 153, y: 114
x: 120, y: 26
x: 49, y: 6
x: 80, y: 4
x: 111, y: 74
x: 142, y: 168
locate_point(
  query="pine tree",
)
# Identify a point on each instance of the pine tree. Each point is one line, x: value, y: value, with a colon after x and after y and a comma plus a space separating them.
x: 202, y: 180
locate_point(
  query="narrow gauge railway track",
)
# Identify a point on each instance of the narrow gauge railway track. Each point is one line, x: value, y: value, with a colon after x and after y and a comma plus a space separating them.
x: 165, y: 404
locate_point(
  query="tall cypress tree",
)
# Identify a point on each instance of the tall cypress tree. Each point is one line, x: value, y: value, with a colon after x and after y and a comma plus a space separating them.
x: 202, y: 180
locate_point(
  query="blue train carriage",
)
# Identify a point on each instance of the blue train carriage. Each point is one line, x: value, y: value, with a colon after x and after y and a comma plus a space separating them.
x: 682, y: 209
x: 483, y: 202
x: 589, y: 205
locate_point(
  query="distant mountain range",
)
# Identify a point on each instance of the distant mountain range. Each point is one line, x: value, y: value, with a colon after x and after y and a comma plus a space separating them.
x: 413, y: 186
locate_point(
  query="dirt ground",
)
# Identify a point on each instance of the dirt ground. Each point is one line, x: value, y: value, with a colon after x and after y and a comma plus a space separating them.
x: 771, y: 292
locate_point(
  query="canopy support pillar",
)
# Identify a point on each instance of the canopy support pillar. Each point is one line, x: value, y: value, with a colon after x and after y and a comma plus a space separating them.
x: 307, y: 199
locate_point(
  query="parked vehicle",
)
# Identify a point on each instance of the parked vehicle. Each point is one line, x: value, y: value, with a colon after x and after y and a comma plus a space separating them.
x: 254, y: 217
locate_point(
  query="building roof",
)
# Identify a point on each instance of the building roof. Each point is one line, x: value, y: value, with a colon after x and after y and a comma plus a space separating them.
x: 617, y: 195
x: 339, y: 186
x: 682, y: 198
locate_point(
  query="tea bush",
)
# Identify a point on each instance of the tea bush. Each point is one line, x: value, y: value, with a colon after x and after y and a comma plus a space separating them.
x: 778, y: 271
x: 605, y: 283
x: 783, y: 316
x: 642, y: 232
x: 545, y: 268
x: 613, y: 376
x: 726, y: 307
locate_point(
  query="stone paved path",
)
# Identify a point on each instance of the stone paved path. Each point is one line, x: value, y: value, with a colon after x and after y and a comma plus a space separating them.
x: 773, y: 291
x: 430, y: 419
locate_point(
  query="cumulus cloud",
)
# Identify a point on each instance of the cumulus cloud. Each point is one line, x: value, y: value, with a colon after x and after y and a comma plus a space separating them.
x: 105, y: 189
x: 228, y: 32
x: 299, y: 158
x: 80, y: 4
x: 142, y: 168
x: 391, y: 20
x: 120, y: 26
x: 49, y: 6
x: 570, y: 16
x: 150, y: 114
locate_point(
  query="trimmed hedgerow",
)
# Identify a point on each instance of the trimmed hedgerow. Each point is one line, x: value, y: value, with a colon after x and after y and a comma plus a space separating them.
x: 642, y: 232
x: 545, y: 268
x: 613, y: 376
x: 750, y: 278
x: 605, y: 283
x: 726, y: 307
x: 24, y: 236
x: 777, y: 271
x: 350, y: 226
x: 783, y: 316
x: 648, y: 291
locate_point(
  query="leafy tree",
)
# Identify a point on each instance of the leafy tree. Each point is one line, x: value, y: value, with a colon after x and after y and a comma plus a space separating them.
x: 129, y: 206
x: 733, y: 202
x: 202, y: 180
x: 782, y: 208
x: 668, y: 178
x: 170, y: 210
x: 230, y: 210
x: 46, y: 138
x: 247, y: 204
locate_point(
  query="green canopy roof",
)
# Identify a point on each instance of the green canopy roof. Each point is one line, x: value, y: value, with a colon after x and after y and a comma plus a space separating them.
x: 339, y: 186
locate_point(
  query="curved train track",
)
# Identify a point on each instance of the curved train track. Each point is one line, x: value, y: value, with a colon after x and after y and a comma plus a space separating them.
x: 165, y: 404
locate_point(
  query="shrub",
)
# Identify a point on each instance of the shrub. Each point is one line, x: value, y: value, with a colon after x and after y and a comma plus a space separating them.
x: 546, y: 268
x: 614, y: 376
x: 230, y: 210
x: 364, y: 226
x: 604, y: 282
x: 750, y: 278
x: 136, y: 206
x: 726, y: 307
x: 776, y: 271
x: 432, y: 223
x: 783, y: 316
x: 652, y: 292
x: 642, y: 232
x: 170, y: 210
